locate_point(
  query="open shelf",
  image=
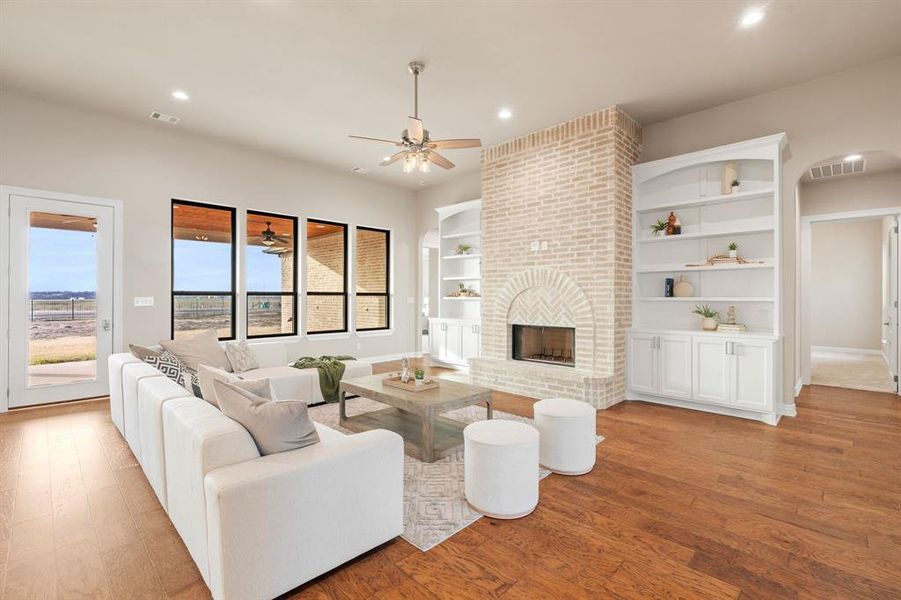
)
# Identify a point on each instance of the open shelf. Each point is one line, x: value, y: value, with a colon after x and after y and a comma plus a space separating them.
x: 683, y: 268
x: 461, y: 256
x: 462, y: 234
x: 699, y: 299
x: 708, y: 200
x: 705, y: 234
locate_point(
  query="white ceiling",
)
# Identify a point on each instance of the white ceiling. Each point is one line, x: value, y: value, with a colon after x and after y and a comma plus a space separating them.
x: 298, y: 77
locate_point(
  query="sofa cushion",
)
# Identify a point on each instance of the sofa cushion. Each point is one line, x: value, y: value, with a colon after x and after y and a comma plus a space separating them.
x: 288, y: 382
x: 270, y: 354
x: 274, y: 426
x: 206, y: 375
x: 241, y: 356
x: 199, y: 349
x: 143, y: 352
x: 116, y: 402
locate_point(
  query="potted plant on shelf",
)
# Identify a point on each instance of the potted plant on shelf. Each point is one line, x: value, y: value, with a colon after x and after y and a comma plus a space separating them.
x: 733, y: 250
x: 735, y: 185
x: 464, y: 249
x: 710, y: 317
x: 659, y: 226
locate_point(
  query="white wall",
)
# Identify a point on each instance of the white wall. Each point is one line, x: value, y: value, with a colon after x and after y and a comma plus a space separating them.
x: 854, y: 111
x: 57, y: 147
x: 846, y: 284
x: 851, y: 192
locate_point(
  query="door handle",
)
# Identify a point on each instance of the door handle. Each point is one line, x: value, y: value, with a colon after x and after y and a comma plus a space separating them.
x: 106, y: 324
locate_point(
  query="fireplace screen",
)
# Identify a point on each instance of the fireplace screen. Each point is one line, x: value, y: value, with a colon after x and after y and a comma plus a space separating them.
x: 552, y: 345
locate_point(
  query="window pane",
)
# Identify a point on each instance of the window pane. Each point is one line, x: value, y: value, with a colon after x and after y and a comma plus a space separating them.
x: 372, y: 312
x: 325, y: 313
x: 196, y: 313
x: 270, y: 315
x: 325, y: 257
x: 270, y: 253
x: 202, y: 249
x: 372, y: 261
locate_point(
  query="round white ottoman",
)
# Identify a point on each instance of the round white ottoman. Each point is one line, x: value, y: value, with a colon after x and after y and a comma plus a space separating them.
x: 501, y: 468
x: 568, y: 435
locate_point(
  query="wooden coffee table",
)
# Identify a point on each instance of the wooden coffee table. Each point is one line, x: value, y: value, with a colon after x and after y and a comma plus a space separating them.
x: 416, y: 416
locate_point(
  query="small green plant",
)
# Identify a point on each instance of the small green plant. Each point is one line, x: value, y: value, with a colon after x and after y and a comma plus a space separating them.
x: 705, y: 311
x: 736, y: 183
x: 733, y: 246
x: 419, y: 374
x: 659, y: 226
x: 462, y: 287
x: 464, y: 249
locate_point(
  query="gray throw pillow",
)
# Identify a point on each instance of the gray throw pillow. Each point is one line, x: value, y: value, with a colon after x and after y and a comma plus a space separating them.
x: 207, y: 375
x: 274, y: 426
x: 169, y: 365
x: 200, y: 349
x: 241, y: 356
x: 143, y: 352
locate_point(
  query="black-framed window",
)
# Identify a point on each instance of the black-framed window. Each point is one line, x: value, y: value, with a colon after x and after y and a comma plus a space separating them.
x: 203, y: 269
x: 271, y: 268
x: 372, y: 256
x: 326, y: 277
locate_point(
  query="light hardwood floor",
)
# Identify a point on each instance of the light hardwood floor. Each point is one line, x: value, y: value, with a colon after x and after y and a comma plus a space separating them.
x: 681, y: 504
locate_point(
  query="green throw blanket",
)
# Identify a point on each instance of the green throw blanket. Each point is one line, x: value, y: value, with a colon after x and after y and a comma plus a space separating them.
x: 330, y: 371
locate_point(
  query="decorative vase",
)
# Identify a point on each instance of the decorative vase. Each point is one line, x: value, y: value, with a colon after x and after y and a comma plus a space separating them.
x: 733, y: 253
x: 683, y: 289
x: 709, y: 324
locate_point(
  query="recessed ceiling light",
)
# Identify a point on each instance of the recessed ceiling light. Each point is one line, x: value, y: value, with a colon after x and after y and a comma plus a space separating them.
x: 504, y: 114
x: 180, y: 95
x: 853, y: 157
x: 751, y: 17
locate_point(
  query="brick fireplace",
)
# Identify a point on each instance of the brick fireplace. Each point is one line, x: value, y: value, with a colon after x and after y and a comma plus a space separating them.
x: 568, y: 188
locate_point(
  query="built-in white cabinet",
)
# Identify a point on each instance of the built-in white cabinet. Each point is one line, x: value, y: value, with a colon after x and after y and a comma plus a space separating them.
x: 454, y: 341
x: 670, y: 359
x: 660, y: 364
x: 454, y: 336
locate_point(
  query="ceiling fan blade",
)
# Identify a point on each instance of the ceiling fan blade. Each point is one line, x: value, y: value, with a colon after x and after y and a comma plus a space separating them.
x: 393, y: 158
x: 282, y: 240
x: 371, y: 139
x: 454, y: 144
x: 437, y: 159
x: 414, y: 130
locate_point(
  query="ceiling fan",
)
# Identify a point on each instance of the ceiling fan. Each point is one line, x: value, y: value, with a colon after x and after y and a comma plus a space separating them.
x: 269, y: 238
x: 418, y: 149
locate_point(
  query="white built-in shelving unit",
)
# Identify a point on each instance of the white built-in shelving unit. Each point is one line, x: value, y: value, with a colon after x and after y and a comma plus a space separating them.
x: 454, y: 337
x: 671, y: 360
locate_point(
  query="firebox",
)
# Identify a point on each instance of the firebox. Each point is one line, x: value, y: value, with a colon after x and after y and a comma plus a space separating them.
x: 551, y: 345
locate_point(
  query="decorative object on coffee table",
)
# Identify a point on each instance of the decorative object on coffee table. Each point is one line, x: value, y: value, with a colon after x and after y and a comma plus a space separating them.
x: 415, y: 415
x: 710, y: 317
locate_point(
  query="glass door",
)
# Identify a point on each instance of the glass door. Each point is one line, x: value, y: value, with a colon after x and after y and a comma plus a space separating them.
x: 61, y: 286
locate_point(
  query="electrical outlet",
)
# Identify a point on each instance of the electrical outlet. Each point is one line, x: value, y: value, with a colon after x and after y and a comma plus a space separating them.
x: 544, y: 245
x: 143, y: 300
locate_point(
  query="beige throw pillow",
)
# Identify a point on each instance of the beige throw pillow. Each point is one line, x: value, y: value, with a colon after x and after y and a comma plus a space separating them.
x: 207, y: 375
x: 200, y: 349
x: 274, y: 426
x: 241, y: 356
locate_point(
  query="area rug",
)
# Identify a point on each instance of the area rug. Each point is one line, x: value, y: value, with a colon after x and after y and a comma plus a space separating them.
x: 435, y: 506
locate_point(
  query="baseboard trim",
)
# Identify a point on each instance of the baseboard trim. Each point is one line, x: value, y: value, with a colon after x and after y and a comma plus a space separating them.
x: 789, y: 410
x: 798, y: 385
x: 867, y: 351
x: 770, y: 418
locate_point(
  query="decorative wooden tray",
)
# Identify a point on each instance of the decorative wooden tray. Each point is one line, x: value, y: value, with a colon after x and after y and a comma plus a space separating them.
x: 394, y: 381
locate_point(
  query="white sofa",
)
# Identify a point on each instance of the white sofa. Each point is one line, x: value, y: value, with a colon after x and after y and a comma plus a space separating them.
x: 257, y: 526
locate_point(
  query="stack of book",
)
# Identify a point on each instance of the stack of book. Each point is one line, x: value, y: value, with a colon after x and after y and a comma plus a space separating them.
x: 731, y: 328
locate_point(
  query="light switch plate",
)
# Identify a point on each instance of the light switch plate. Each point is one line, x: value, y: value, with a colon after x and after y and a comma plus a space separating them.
x: 143, y: 300
x: 535, y: 246
x: 544, y: 245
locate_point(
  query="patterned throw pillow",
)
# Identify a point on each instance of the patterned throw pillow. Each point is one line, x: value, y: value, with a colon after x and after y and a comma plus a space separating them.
x: 241, y: 356
x: 169, y: 365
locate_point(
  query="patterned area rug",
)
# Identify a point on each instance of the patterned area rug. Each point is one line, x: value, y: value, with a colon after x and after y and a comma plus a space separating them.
x: 435, y: 506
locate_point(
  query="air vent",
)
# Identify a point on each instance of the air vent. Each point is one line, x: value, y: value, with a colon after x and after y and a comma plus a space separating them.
x: 836, y: 169
x: 170, y: 119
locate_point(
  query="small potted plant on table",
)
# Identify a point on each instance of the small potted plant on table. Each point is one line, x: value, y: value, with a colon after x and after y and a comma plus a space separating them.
x: 733, y: 250
x: 419, y: 376
x: 710, y: 317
